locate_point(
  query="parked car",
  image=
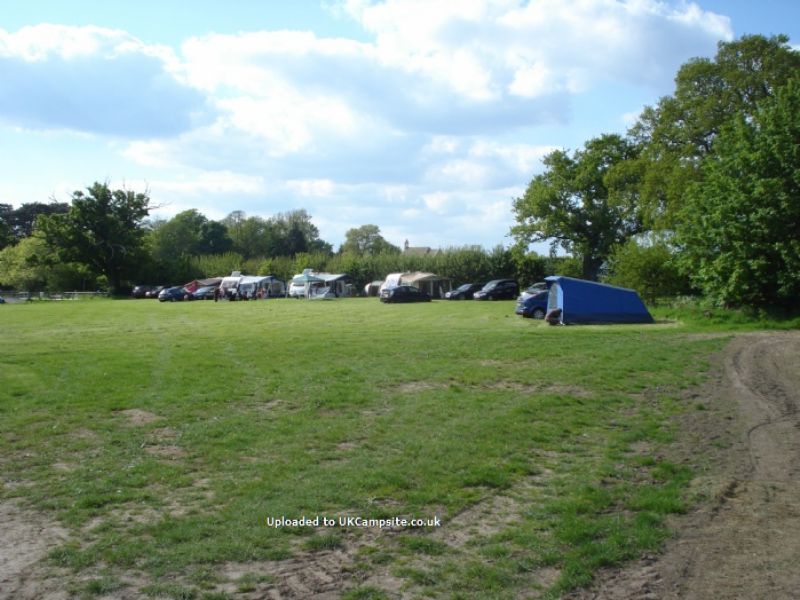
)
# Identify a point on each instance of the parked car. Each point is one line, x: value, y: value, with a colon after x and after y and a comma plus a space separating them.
x: 174, y: 294
x: 539, y: 286
x: 498, y: 289
x: 141, y: 291
x: 154, y: 292
x: 296, y: 290
x: 404, y: 293
x: 204, y: 293
x: 463, y: 292
x: 533, y: 305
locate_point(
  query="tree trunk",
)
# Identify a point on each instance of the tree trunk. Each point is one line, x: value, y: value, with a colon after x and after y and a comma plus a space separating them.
x: 591, y: 267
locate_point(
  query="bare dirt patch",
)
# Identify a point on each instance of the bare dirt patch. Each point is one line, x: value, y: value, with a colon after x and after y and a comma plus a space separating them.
x: 543, y: 388
x: 25, y: 539
x: 347, y: 446
x: 482, y: 519
x: 85, y: 434
x: 138, y: 417
x: 163, y: 434
x: 63, y: 467
x: 742, y: 540
x: 413, y: 387
x: 272, y: 405
x: 319, y: 575
x: 161, y: 443
x: 167, y: 451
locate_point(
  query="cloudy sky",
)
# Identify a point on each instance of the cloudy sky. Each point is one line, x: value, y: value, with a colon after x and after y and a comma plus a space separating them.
x: 424, y: 117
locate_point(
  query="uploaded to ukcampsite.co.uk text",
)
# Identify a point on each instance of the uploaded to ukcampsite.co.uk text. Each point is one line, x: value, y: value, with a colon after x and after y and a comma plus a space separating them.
x: 349, y: 521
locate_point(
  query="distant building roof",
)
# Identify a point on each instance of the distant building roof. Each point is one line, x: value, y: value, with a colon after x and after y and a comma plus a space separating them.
x: 419, y: 250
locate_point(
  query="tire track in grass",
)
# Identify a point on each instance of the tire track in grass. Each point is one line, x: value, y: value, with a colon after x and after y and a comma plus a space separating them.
x: 742, y: 544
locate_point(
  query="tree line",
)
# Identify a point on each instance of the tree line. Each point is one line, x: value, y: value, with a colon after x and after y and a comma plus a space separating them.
x: 104, y: 239
x: 701, y: 195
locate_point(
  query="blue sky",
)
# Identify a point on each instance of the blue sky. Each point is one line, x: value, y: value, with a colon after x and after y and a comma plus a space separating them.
x: 424, y: 117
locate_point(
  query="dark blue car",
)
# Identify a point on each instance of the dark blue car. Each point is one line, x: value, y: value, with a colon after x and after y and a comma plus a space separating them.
x: 464, y: 292
x: 533, y: 305
x: 404, y: 293
x: 174, y: 294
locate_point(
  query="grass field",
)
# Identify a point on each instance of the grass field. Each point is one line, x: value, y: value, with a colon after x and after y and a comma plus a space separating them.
x: 164, y: 436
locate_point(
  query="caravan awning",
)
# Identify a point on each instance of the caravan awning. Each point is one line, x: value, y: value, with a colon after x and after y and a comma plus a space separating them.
x: 306, y: 278
x: 417, y: 276
x: 210, y: 281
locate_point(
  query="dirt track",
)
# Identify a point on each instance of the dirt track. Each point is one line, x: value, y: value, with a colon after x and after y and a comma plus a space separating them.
x: 744, y: 542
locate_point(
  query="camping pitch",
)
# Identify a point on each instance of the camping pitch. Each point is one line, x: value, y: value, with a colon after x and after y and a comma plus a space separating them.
x: 579, y: 301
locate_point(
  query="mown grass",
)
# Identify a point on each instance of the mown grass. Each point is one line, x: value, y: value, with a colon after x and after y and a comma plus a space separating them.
x: 292, y: 408
x: 696, y: 314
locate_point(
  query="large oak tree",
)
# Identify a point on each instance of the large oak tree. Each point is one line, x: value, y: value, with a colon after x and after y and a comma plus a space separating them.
x: 582, y: 202
x: 104, y: 230
x: 682, y: 129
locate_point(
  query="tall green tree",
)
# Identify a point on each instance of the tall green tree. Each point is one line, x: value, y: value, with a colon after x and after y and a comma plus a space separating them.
x: 582, y: 203
x: 6, y: 233
x: 301, y: 233
x: 104, y: 230
x: 649, y: 266
x: 739, y: 228
x: 25, y: 265
x: 682, y: 129
x: 18, y: 223
x: 187, y: 234
x: 366, y: 239
x: 249, y: 235
x: 283, y: 234
x: 31, y: 265
x: 214, y: 239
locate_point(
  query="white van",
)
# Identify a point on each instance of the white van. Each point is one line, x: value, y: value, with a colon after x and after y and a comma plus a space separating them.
x: 296, y: 290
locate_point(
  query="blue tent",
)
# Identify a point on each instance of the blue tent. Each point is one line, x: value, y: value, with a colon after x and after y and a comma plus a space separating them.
x: 578, y: 301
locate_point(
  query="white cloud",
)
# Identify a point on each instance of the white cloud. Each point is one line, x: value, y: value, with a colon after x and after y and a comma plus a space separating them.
x: 219, y: 182
x: 441, y: 144
x: 484, y: 49
x: 394, y: 194
x: 92, y: 80
x: 629, y: 118
x: 45, y: 41
x: 291, y: 122
x: 441, y: 66
x: 254, y: 62
x: 437, y: 201
x: 154, y: 153
x: 411, y: 214
x: 460, y: 173
x: 523, y: 158
x: 311, y: 187
x: 532, y: 81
